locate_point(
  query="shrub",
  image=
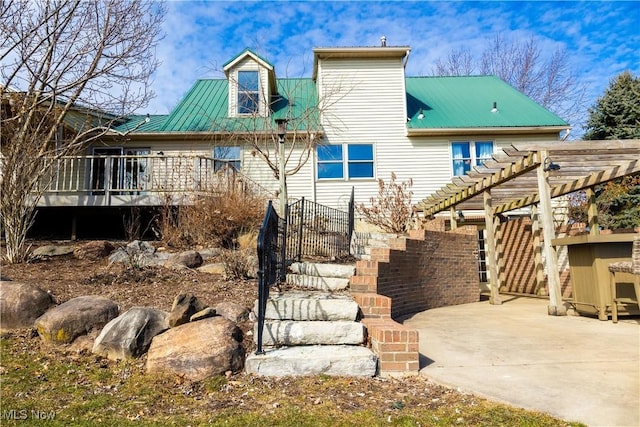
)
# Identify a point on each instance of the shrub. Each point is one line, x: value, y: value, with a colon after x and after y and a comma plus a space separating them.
x: 214, y: 220
x: 391, y: 210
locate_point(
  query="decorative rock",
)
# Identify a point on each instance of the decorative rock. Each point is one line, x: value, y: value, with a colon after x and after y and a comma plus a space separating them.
x: 129, y: 336
x: 203, y: 314
x: 52, y: 250
x: 138, y: 254
x: 339, y: 360
x: 252, y: 271
x: 209, y: 253
x: 62, y: 324
x: 21, y: 304
x: 190, y: 259
x: 198, y: 350
x: 184, y: 306
x: 232, y: 311
x: 213, y: 268
x: 94, y: 250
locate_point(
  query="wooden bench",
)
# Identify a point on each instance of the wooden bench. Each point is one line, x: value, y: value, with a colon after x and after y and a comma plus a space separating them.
x: 632, y: 268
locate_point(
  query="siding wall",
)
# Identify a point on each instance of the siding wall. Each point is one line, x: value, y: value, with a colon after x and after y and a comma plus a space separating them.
x: 365, y: 102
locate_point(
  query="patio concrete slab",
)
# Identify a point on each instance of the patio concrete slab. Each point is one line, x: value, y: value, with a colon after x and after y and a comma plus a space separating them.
x: 572, y: 367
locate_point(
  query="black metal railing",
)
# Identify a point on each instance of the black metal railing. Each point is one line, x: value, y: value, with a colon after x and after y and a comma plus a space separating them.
x: 271, y: 262
x: 306, y: 229
x: 314, y: 230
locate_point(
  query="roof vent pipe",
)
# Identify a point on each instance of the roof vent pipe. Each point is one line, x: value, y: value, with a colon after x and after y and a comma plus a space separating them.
x: 383, y: 41
x: 495, y: 107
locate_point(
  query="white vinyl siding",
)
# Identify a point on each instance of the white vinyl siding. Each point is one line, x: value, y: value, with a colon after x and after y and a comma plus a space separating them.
x: 364, y: 103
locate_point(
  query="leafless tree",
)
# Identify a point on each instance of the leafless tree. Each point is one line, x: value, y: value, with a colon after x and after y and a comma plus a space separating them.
x: 303, y: 111
x: 546, y: 78
x: 69, y: 69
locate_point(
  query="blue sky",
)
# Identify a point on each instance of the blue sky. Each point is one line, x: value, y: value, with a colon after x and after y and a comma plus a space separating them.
x: 602, y: 39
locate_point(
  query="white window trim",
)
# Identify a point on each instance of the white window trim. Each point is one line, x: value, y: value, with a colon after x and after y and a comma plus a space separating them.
x: 472, y: 152
x: 345, y: 163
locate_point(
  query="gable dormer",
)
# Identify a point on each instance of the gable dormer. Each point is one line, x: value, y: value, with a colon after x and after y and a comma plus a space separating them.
x: 252, y: 83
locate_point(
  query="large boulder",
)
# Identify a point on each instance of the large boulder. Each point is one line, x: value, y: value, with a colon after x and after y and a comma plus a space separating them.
x: 52, y: 250
x: 94, y: 250
x: 184, y: 306
x: 232, y: 311
x: 76, y: 317
x: 129, y: 335
x: 21, y: 304
x: 189, y: 259
x: 138, y: 254
x: 198, y: 350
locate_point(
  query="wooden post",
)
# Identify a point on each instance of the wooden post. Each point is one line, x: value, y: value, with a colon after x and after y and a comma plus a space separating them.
x: 592, y: 212
x: 499, y: 250
x: 491, y: 249
x: 555, y: 308
x: 454, y: 219
x: 74, y: 226
x: 537, y: 248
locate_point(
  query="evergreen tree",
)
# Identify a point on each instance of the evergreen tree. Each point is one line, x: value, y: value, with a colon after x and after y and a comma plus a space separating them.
x: 616, y: 115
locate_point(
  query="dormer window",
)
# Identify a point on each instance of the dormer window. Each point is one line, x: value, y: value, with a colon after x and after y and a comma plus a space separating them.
x: 248, y: 92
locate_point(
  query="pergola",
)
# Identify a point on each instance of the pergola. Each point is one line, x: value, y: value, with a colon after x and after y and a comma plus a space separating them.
x: 531, y: 174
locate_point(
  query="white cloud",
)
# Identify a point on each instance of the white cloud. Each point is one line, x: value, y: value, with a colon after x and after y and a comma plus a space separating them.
x: 601, y: 38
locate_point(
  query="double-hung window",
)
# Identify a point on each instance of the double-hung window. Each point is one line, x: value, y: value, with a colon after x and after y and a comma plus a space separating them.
x: 345, y: 161
x: 226, y: 158
x: 248, y: 92
x: 466, y: 154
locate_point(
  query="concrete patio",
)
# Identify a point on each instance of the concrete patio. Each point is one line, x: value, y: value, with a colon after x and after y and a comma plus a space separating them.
x: 572, y: 367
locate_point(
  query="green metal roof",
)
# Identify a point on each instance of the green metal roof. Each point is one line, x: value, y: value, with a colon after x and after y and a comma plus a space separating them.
x: 205, y: 109
x: 466, y: 102
x: 446, y: 103
x: 138, y: 123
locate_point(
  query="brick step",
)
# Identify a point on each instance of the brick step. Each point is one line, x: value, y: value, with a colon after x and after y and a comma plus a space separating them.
x: 325, y: 270
x: 318, y: 283
x: 336, y: 360
x: 396, y: 346
x: 277, y: 333
x: 310, y: 306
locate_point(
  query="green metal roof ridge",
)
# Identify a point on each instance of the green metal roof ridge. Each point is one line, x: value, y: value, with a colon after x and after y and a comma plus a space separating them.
x: 251, y: 51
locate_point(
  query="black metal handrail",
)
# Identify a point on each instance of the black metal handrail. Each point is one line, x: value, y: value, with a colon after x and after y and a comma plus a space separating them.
x: 271, y: 264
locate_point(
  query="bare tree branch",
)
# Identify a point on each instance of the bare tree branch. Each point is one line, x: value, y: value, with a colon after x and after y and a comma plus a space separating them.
x: 547, y: 79
x: 90, y: 58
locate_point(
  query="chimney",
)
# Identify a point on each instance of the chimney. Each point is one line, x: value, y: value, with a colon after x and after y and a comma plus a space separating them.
x: 383, y: 41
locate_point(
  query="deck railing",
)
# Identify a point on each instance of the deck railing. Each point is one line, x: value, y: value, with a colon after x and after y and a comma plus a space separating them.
x: 140, y: 175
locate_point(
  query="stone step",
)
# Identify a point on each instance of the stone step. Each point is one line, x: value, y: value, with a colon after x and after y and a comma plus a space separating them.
x: 278, y: 333
x: 319, y: 283
x: 339, y: 360
x: 310, y: 306
x: 323, y: 269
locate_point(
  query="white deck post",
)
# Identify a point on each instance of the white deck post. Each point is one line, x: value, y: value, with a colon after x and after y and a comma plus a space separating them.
x: 555, y: 307
x: 491, y: 250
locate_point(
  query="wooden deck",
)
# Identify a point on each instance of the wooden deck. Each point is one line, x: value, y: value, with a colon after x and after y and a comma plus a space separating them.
x: 125, y: 180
